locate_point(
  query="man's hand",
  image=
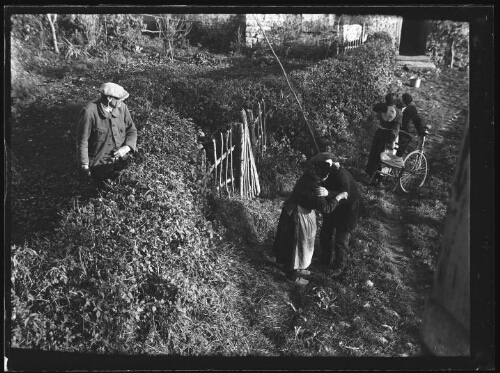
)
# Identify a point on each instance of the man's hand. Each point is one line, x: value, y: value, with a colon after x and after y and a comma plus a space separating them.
x: 341, y: 196
x: 120, y: 152
x: 321, y: 192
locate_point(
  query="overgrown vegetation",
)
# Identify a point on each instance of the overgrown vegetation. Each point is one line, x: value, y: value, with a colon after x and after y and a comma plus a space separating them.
x: 449, y: 43
x: 153, y: 267
x: 135, y: 270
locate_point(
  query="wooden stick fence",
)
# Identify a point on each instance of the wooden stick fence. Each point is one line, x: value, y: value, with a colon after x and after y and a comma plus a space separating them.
x: 249, y: 179
x: 353, y: 44
x: 237, y: 163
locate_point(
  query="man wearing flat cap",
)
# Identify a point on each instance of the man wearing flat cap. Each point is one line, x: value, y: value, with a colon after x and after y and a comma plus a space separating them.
x: 105, y: 134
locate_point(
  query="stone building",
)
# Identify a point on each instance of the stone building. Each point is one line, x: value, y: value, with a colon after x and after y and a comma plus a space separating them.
x: 411, y: 37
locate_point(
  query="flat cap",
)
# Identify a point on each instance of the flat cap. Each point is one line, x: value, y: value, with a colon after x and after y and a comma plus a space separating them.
x: 114, y: 90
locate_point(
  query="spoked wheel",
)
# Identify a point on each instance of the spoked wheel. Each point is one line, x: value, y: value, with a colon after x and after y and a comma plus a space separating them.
x: 415, y: 171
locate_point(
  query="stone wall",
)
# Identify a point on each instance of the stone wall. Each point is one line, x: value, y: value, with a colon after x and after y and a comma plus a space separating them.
x: 277, y: 25
x: 223, y: 28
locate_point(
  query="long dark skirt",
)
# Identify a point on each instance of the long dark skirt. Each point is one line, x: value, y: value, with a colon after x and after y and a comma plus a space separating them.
x: 294, y: 242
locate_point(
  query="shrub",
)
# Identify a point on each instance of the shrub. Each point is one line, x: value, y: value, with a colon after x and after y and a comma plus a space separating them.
x: 211, y: 103
x: 134, y: 268
x: 337, y: 93
x: 382, y: 36
x: 279, y: 169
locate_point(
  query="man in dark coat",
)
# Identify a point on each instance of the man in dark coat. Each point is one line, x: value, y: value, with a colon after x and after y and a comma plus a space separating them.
x: 341, y: 221
x: 410, y: 114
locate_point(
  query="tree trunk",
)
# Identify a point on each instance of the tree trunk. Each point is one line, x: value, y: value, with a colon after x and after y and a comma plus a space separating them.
x: 54, y: 37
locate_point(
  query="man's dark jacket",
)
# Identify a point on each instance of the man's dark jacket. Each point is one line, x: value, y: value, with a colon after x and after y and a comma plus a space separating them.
x: 99, y: 133
x: 345, y: 216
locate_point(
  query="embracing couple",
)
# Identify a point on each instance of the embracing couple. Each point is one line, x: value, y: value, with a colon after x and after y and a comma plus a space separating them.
x: 331, y: 190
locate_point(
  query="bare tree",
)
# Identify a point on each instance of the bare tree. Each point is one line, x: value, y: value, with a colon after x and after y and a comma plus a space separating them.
x: 52, y: 22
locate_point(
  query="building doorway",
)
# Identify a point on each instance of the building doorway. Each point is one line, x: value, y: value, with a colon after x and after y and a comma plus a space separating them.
x: 413, y: 37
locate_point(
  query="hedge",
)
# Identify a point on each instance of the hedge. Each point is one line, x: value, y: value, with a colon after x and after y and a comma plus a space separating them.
x: 138, y: 269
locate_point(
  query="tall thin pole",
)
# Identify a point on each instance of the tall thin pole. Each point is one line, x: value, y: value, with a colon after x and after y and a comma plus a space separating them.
x: 289, y: 85
x: 242, y: 155
x: 231, y: 149
x: 215, y: 162
x: 221, y: 160
x: 265, y: 125
x: 204, y: 169
x: 227, y: 160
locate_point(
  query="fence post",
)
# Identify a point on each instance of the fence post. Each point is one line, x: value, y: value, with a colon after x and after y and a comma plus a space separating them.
x: 247, y: 161
x: 242, y: 153
x: 265, y: 125
x: 227, y: 160
x: 261, y: 139
x: 204, y: 168
x: 215, y: 162
x: 251, y: 127
x: 253, y: 172
x: 231, y: 163
x: 259, y: 123
x: 221, y: 162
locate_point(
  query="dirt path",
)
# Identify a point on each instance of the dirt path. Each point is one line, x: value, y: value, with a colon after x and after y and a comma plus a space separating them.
x: 410, y: 225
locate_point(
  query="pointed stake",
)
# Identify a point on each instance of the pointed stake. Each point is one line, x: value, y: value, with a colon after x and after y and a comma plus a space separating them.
x: 227, y: 160
x: 231, y: 160
x: 215, y: 162
x: 242, y: 156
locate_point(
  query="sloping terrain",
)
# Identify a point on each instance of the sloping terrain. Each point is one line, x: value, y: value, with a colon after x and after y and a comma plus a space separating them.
x: 373, y: 310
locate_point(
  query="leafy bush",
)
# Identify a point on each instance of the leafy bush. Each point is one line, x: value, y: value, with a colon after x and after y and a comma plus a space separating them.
x: 135, y: 268
x: 448, y: 43
x: 279, y: 169
x: 382, y: 36
x: 211, y: 103
x: 337, y: 93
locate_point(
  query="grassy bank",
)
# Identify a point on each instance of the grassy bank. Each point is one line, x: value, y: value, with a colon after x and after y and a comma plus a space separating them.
x: 153, y: 267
